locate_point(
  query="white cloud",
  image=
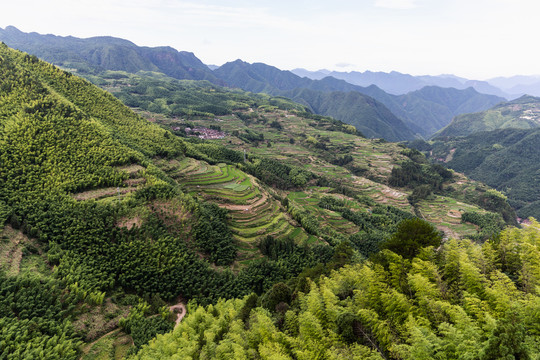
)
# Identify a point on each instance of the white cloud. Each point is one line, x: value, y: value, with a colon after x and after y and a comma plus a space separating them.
x: 396, y: 4
x: 344, y: 65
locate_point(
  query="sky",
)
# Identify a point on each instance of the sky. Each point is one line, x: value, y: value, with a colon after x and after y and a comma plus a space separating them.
x: 476, y: 39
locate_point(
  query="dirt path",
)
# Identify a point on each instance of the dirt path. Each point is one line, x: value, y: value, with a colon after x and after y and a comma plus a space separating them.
x: 87, y: 347
x: 451, y: 234
x: 181, y: 313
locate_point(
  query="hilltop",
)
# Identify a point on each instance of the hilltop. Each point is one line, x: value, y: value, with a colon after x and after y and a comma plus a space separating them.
x: 107, y: 53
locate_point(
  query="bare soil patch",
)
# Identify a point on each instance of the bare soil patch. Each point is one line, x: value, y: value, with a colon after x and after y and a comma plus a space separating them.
x: 129, y: 223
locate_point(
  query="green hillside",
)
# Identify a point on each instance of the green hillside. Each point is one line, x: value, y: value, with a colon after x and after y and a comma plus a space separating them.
x: 107, y: 53
x: 522, y: 113
x: 81, y: 181
x: 432, y: 108
x: 506, y: 159
x: 110, y: 223
x: 367, y: 115
x: 457, y: 302
x: 352, y: 107
x: 393, y: 117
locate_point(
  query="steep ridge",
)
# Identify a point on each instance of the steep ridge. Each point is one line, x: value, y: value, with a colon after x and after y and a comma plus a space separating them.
x: 423, y: 111
x: 329, y: 97
x: 432, y: 108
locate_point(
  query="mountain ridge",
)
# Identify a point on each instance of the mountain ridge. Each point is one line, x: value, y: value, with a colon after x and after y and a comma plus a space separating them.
x: 107, y: 52
x: 397, y: 83
x: 125, y: 55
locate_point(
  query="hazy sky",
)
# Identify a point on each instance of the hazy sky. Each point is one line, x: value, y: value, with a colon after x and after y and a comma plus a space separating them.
x: 471, y: 38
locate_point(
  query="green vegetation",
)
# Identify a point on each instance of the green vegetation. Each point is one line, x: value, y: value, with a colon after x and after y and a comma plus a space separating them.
x: 96, y: 54
x: 366, y: 114
x: 432, y: 108
x: 60, y: 138
x: 107, y: 219
x: 505, y: 159
x: 522, y: 113
x: 462, y: 301
x: 411, y: 236
x: 334, y: 98
x: 157, y: 93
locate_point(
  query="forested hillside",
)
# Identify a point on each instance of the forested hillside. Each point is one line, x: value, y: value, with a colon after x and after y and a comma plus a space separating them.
x: 423, y: 111
x: 498, y: 147
x: 522, y: 113
x: 329, y: 97
x: 111, y: 219
x: 107, y: 53
x: 506, y: 159
x: 78, y: 181
x: 462, y: 301
x: 394, y: 118
x: 432, y: 108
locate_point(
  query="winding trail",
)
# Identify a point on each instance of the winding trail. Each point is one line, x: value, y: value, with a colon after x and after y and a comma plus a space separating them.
x: 181, y: 313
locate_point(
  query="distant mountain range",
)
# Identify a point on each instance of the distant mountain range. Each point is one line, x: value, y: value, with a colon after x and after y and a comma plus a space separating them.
x: 398, y: 83
x: 431, y: 108
x: 424, y: 111
x: 375, y: 112
x: 330, y: 97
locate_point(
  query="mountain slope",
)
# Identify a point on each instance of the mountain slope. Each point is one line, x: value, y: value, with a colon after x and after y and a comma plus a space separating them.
x: 432, y: 108
x: 506, y: 159
x: 522, y: 113
x: 360, y: 312
x: 108, y: 221
x: 422, y: 115
x: 424, y: 111
x: 369, y: 116
x: 323, y: 97
x: 107, y: 53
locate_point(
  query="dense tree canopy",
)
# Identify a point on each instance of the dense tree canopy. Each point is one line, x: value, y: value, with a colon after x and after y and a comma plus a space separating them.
x: 457, y: 302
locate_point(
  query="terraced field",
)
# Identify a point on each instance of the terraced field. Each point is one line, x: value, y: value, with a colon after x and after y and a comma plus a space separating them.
x: 445, y: 214
x: 19, y: 254
x: 296, y: 144
x: 383, y: 194
x: 327, y: 218
x: 253, y: 212
x: 115, y: 193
